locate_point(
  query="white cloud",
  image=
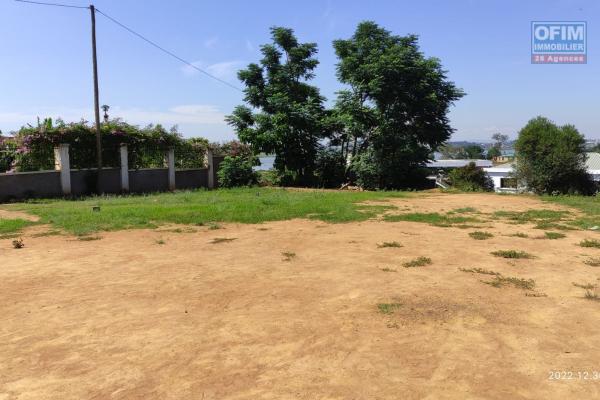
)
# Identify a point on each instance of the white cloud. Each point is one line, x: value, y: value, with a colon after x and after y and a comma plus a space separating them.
x: 211, y: 42
x: 225, y: 70
x: 249, y: 45
x: 185, y: 114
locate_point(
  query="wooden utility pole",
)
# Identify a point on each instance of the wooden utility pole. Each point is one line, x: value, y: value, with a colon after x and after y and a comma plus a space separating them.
x: 96, y: 101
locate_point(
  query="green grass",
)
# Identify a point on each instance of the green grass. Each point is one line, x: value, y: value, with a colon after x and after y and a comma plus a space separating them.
x: 519, y: 283
x: 588, y: 205
x: 244, y: 205
x: 463, y: 210
x: 590, y: 243
x: 435, y: 219
x: 479, y: 271
x: 480, y: 235
x: 511, y: 254
x: 388, y: 308
x: 389, y: 244
x: 520, y: 235
x: 417, y: 262
x: 10, y: 226
x: 539, y: 216
x: 89, y: 238
x: 553, y: 235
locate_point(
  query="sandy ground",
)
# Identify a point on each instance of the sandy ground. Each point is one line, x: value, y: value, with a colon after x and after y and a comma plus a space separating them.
x: 125, y: 317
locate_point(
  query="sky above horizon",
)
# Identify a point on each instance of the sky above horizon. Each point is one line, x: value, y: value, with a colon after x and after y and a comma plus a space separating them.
x: 46, y: 69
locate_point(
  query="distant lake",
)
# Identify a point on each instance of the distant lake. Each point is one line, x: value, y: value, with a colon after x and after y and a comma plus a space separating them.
x: 266, y: 163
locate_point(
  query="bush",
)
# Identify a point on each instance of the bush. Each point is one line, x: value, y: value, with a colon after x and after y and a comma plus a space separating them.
x: 470, y: 179
x: 236, y: 171
x: 330, y: 168
x: 551, y: 159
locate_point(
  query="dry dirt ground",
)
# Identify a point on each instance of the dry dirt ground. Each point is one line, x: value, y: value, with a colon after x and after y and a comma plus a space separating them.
x: 126, y: 317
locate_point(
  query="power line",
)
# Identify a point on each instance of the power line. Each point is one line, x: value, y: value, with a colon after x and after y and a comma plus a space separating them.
x: 51, y: 4
x: 168, y: 52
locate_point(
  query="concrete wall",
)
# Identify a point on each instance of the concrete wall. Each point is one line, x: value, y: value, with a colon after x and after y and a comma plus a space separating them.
x: 149, y: 180
x: 191, y: 178
x: 25, y: 185
x: 83, y: 182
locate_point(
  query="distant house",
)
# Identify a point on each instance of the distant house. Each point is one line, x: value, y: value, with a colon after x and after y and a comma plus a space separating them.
x: 449, y: 164
x: 501, y: 175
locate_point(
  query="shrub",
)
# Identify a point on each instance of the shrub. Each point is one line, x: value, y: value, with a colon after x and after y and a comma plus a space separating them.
x: 470, y: 178
x: 330, y: 168
x: 552, y: 158
x: 236, y: 171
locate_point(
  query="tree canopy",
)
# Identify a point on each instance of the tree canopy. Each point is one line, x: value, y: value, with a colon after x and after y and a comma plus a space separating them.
x: 397, y: 105
x: 289, y: 117
x: 551, y: 158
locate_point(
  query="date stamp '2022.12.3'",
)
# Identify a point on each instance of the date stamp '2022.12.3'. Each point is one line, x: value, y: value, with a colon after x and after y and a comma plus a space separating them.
x: 574, y: 375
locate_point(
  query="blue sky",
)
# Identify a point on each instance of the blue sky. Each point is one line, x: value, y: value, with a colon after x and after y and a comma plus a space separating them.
x: 45, y: 58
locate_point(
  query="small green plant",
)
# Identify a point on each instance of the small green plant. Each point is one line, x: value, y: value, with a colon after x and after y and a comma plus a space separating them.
x: 584, y: 285
x: 214, y: 227
x: 288, y: 255
x: 388, y: 308
x: 590, y: 243
x: 417, y: 262
x: 389, y: 244
x: 386, y: 269
x: 511, y: 254
x: 18, y: 243
x: 592, y: 262
x: 159, y: 241
x: 520, y: 283
x: 434, y: 219
x: 221, y: 240
x: 554, y: 235
x: 479, y: 271
x: 236, y: 171
x: 480, y: 235
x: 520, y: 235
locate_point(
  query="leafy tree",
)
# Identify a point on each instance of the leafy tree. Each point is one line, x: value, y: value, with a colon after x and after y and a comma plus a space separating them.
x: 474, y: 152
x: 236, y: 171
x: 493, y: 152
x: 500, y: 140
x: 551, y: 158
x: 470, y: 178
x: 452, y: 152
x: 290, y: 118
x: 395, y: 112
x: 330, y: 168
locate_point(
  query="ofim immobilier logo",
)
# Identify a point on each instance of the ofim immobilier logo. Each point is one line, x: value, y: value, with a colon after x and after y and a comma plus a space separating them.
x: 559, y: 42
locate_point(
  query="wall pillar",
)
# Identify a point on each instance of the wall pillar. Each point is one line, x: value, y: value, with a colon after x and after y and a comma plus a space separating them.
x: 211, y: 172
x: 124, y: 168
x: 62, y: 164
x: 170, y: 156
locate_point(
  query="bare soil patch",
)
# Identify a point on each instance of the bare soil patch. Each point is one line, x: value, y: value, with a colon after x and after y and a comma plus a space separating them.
x: 168, y: 314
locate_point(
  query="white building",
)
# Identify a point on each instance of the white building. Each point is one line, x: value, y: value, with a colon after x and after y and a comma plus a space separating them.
x: 501, y: 174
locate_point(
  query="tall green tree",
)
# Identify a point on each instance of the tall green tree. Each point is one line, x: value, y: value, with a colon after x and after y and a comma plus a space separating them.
x: 289, y: 117
x: 396, y: 107
x: 551, y: 158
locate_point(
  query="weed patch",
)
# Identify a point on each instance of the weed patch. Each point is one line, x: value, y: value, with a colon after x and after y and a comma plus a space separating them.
x: 417, y: 262
x: 584, y: 285
x: 553, y: 235
x: 590, y: 243
x: 389, y: 244
x: 511, y: 254
x: 386, y: 269
x: 592, y: 262
x: 388, y: 308
x: 519, y: 283
x: 435, y: 219
x: 480, y: 235
x: 288, y: 255
x: 479, y: 271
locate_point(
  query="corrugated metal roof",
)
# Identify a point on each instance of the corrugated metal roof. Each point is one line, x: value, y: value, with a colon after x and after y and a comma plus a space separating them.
x: 593, y: 161
x: 457, y: 163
